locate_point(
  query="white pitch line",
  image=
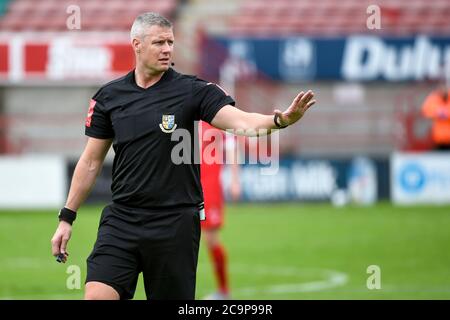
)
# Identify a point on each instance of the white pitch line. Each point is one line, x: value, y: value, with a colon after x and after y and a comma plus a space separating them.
x: 334, y: 280
x: 321, y: 279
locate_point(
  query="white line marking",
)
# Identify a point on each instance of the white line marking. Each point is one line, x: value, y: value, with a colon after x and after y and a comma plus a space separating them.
x: 313, y: 279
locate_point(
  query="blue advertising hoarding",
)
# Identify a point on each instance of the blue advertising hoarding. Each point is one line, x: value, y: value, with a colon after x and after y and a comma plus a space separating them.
x: 420, y: 178
x: 296, y: 179
x: 359, y: 180
x: 352, y: 58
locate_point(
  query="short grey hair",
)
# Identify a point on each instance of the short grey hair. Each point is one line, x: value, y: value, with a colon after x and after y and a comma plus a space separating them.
x: 146, y: 20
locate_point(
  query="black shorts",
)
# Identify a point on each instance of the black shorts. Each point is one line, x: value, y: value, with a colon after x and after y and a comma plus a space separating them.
x: 162, y: 244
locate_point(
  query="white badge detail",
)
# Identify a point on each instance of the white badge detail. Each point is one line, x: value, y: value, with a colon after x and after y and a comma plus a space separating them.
x: 168, y: 124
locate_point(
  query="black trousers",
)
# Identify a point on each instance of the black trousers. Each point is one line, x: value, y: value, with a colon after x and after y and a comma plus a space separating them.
x: 162, y: 244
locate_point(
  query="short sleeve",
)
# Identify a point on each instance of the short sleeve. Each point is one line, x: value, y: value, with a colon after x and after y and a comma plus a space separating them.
x: 209, y: 98
x: 98, y: 123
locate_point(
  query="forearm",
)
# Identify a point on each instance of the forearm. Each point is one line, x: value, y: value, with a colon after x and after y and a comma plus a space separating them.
x: 258, y: 122
x: 85, y: 174
x: 254, y: 124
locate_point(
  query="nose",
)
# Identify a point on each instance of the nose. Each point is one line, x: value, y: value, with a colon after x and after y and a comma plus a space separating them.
x: 167, y: 48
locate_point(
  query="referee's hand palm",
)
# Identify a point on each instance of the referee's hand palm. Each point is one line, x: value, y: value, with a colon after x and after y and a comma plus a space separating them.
x: 302, y: 102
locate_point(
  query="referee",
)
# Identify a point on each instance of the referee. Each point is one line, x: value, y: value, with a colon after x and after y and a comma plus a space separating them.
x: 153, y: 223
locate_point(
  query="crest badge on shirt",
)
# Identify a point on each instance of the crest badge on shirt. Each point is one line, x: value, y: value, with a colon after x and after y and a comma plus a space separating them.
x: 168, y: 124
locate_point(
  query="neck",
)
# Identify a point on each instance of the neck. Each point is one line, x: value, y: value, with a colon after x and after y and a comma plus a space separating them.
x: 145, y: 78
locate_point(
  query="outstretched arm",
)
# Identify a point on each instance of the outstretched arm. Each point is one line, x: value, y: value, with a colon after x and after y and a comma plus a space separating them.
x: 86, y: 172
x: 250, y: 124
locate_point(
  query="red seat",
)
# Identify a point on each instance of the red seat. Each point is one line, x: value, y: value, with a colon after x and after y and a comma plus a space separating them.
x: 95, y: 15
x: 330, y: 16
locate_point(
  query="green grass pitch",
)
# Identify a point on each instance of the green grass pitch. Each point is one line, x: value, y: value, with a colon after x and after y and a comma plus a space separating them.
x: 275, y: 251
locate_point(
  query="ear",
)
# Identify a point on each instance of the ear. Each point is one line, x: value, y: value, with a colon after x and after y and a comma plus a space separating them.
x: 136, y: 44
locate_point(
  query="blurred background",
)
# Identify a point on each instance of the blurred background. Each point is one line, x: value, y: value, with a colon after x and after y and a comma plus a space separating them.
x: 363, y: 181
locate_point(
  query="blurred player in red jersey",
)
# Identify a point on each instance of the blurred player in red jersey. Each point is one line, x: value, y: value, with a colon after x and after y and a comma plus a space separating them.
x: 210, y: 173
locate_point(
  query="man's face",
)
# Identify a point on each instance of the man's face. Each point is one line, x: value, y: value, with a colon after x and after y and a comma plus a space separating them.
x: 156, y: 48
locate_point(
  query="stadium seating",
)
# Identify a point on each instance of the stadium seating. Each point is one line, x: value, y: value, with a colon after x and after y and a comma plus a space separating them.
x: 321, y: 17
x: 51, y: 15
x: 340, y: 17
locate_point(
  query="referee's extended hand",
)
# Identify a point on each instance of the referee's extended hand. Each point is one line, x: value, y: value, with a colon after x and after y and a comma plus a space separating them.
x: 302, y: 102
x: 60, y: 239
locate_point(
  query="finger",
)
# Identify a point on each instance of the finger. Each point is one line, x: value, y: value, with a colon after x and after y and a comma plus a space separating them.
x: 308, y: 96
x: 64, y: 245
x: 306, y: 101
x: 298, y: 97
x: 56, y: 243
x: 64, y: 257
x: 298, y: 104
x: 296, y: 100
x: 309, y: 104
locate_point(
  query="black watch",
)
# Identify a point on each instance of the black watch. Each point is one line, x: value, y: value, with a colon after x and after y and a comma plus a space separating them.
x: 275, y: 119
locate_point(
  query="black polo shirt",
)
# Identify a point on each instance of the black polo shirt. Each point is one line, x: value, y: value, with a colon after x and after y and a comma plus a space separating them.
x: 141, y: 122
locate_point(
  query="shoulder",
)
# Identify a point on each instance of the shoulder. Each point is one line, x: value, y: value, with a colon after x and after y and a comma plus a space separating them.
x: 110, y: 89
x: 201, y: 85
x: 189, y: 82
x: 205, y: 87
x: 188, y: 79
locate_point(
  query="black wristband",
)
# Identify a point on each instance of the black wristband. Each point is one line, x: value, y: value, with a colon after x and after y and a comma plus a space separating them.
x: 67, y: 215
x: 275, y: 119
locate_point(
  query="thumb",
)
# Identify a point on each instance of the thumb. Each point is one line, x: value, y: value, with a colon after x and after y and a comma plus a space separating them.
x: 277, y: 112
